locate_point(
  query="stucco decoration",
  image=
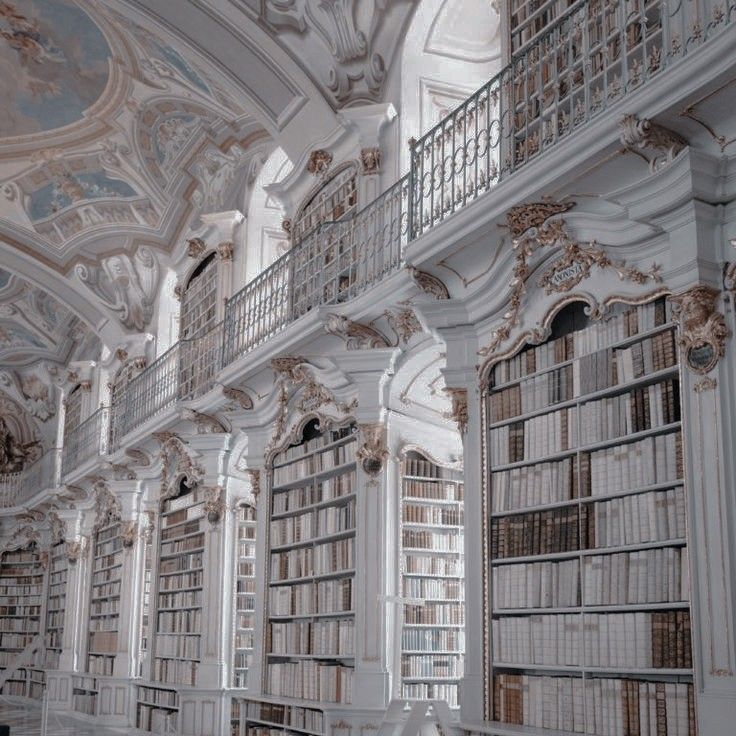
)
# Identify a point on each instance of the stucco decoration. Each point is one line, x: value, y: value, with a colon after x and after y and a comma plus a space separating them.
x: 34, y: 389
x: 177, y: 466
x: 19, y: 438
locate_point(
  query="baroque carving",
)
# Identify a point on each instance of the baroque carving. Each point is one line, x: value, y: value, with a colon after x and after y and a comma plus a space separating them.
x: 225, y: 250
x: 319, y: 162
x: 196, y: 247
x: 107, y: 505
x: 404, y: 323
x: 138, y: 457
x: 707, y: 384
x: 177, y: 466
x: 57, y: 528
x: 703, y: 329
x: 126, y: 285
x: 370, y: 159
x: 255, y: 482
x: 563, y: 274
x: 75, y: 549
x: 645, y: 135
x: 129, y: 533
x: 428, y: 283
x: 237, y: 396
x: 459, y: 411
x: 373, y: 452
x: 356, y: 335
x: 214, y: 504
x: 121, y: 471
x: 206, y: 423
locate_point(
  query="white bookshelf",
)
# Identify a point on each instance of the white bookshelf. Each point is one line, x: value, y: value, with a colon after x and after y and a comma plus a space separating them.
x: 266, y: 718
x: 84, y: 694
x: 245, y: 594
x: 432, y: 580
x: 21, y: 592
x: 310, y: 638
x: 104, y: 609
x: 179, y: 596
x: 157, y: 709
x: 589, y: 572
x: 145, y: 646
x: 56, y: 603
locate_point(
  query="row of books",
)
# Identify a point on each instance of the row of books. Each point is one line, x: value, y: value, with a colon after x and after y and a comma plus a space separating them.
x: 19, y: 610
x: 539, y: 532
x: 184, y: 528
x: 311, y: 525
x: 182, y: 501
x: 178, y: 582
x: 312, y: 445
x: 109, y: 548
x: 106, y: 590
x: 614, y: 707
x: 327, y: 683
x: 17, y: 556
x: 157, y: 696
x: 433, y: 490
x: 105, y: 534
x: 433, y: 588
x: 432, y: 665
x: 100, y: 664
x: 647, y: 576
x: 435, y: 613
x: 318, y: 560
x: 535, y: 485
x: 290, y: 715
x: 432, y: 640
x: 182, y: 599
x: 157, y: 720
x: 16, y: 641
x: 104, y: 624
x: 104, y: 642
x: 85, y: 703
x: 329, y: 637
x: 175, y: 671
x: 422, y: 468
x: 17, y: 593
x: 108, y: 575
x: 325, y: 596
x: 312, y: 464
x: 431, y: 515
x: 537, y: 585
x: 649, y: 461
x: 183, y: 645
x: 439, y: 540
x: 180, y: 518
x: 189, y: 619
x: 422, y: 564
x: 187, y: 544
x: 431, y: 691
x: 595, y: 336
x: 298, y: 498
x: 99, y: 607
x: 535, y: 438
x: 183, y: 563
x: 646, y: 357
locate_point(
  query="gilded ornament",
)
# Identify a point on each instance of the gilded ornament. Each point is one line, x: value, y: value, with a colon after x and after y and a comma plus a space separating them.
x: 206, y: 423
x: 195, y: 247
x: 356, y: 336
x: 237, y: 396
x: 225, y: 250
x: 647, y: 136
x: 319, y: 162
x: 428, y: 283
x: 459, y: 411
x: 214, y: 504
x: 373, y: 452
x: 370, y: 158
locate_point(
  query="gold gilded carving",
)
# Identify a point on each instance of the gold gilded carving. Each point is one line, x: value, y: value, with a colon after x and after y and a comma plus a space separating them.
x: 237, y: 396
x: 459, y: 412
x: 370, y: 158
x: 214, y: 504
x: 703, y: 329
x: 319, y: 162
x: 356, y: 336
x: 206, y: 423
x: 373, y: 452
x: 177, y: 466
x: 645, y: 135
x: 129, y: 533
x: 255, y: 482
x: 428, y: 283
x: 195, y: 247
x: 75, y: 549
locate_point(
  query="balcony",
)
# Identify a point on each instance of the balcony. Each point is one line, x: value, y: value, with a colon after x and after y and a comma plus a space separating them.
x: 593, y: 62
x: 16, y: 489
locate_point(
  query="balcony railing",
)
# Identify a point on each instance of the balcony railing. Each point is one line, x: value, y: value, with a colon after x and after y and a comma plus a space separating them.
x: 17, y: 488
x: 86, y: 440
x: 596, y: 54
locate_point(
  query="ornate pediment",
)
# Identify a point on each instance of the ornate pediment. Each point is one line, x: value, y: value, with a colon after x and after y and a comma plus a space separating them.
x: 177, y: 466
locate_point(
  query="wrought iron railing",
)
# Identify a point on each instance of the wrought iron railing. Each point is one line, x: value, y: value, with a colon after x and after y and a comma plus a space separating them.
x: 86, y: 440
x: 17, y: 488
x: 590, y: 59
x: 596, y: 54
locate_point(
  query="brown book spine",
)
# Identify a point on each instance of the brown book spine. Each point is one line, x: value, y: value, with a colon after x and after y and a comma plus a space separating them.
x: 661, y: 703
x: 625, y: 708
x: 687, y: 641
x: 657, y: 644
x: 692, y: 728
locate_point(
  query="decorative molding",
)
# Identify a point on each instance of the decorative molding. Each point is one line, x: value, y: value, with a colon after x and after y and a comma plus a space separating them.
x: 643, y: 135
x: 225, y: 250
x: 107, y: 505
x: 703, y: 329
x: 178, y: 291
x: 138, y: 457
x: 121, y: 471
x: 707, y: 384
x: 428, y: 283
x: 139, y: 362
x: 196, y: 247
x: 177, y: 466
x: 370, y: 159
x: 404, y: 323
x: 121, y: 354
x: 255, y: 482
x: 57, y: 527
x: 319, y: 162
x: 356, y: 336
x: 459, y: 412
x: 149, y: 526
x: 214, y: 504
x: 286, y: 226
x: 85, y: 386
x: 75, y: 549
x: 563, y: 274
x: 238, y: 396
x: 129, y: 533
x: 206, y: 423
x: 373, y: 452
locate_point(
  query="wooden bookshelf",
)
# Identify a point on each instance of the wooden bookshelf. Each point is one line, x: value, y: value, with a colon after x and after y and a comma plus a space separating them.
x: 432, y: 580
x: 589, y: 573
x: 245, y: 594
x: 56, y: 603
x: 21, y: 593
x: 310, y: 637
x: 104, y: 608
x: 266, y: 718
x: 157, y: 710
x: 178, y: 612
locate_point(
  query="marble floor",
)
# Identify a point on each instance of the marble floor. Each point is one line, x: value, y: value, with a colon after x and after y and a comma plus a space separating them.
x: 26, y: 721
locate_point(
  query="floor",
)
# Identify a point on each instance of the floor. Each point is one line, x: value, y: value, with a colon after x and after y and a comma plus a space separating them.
x: 25, y: 720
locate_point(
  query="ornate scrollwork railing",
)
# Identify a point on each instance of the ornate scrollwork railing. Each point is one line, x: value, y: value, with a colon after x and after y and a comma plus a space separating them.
x: 86, y: 441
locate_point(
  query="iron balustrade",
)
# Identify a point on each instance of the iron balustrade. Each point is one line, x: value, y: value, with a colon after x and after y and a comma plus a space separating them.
x: 569, y: 74
x: 589, y: 60
x: 86, y: 441
x: 10, y: 487
x: 17, y: 488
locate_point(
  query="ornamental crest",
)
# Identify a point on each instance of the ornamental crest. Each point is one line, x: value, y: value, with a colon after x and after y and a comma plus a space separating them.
x: 177, y: 466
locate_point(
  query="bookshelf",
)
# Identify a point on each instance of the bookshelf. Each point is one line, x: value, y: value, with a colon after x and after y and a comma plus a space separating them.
x: 178, y: 612
x: 146, y: 602
x: 266, y: 718
x: 84, y: 694
x: 245, y: 594
x: 21, y: 592
x: 157, y: 709
x: 310, y: 632
x: 589, y: 582
x: 56, y: 604
x: 104, y: 607
x: 432, y: 580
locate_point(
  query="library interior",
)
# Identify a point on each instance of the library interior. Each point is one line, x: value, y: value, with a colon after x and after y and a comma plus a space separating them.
x: 368, y: 368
